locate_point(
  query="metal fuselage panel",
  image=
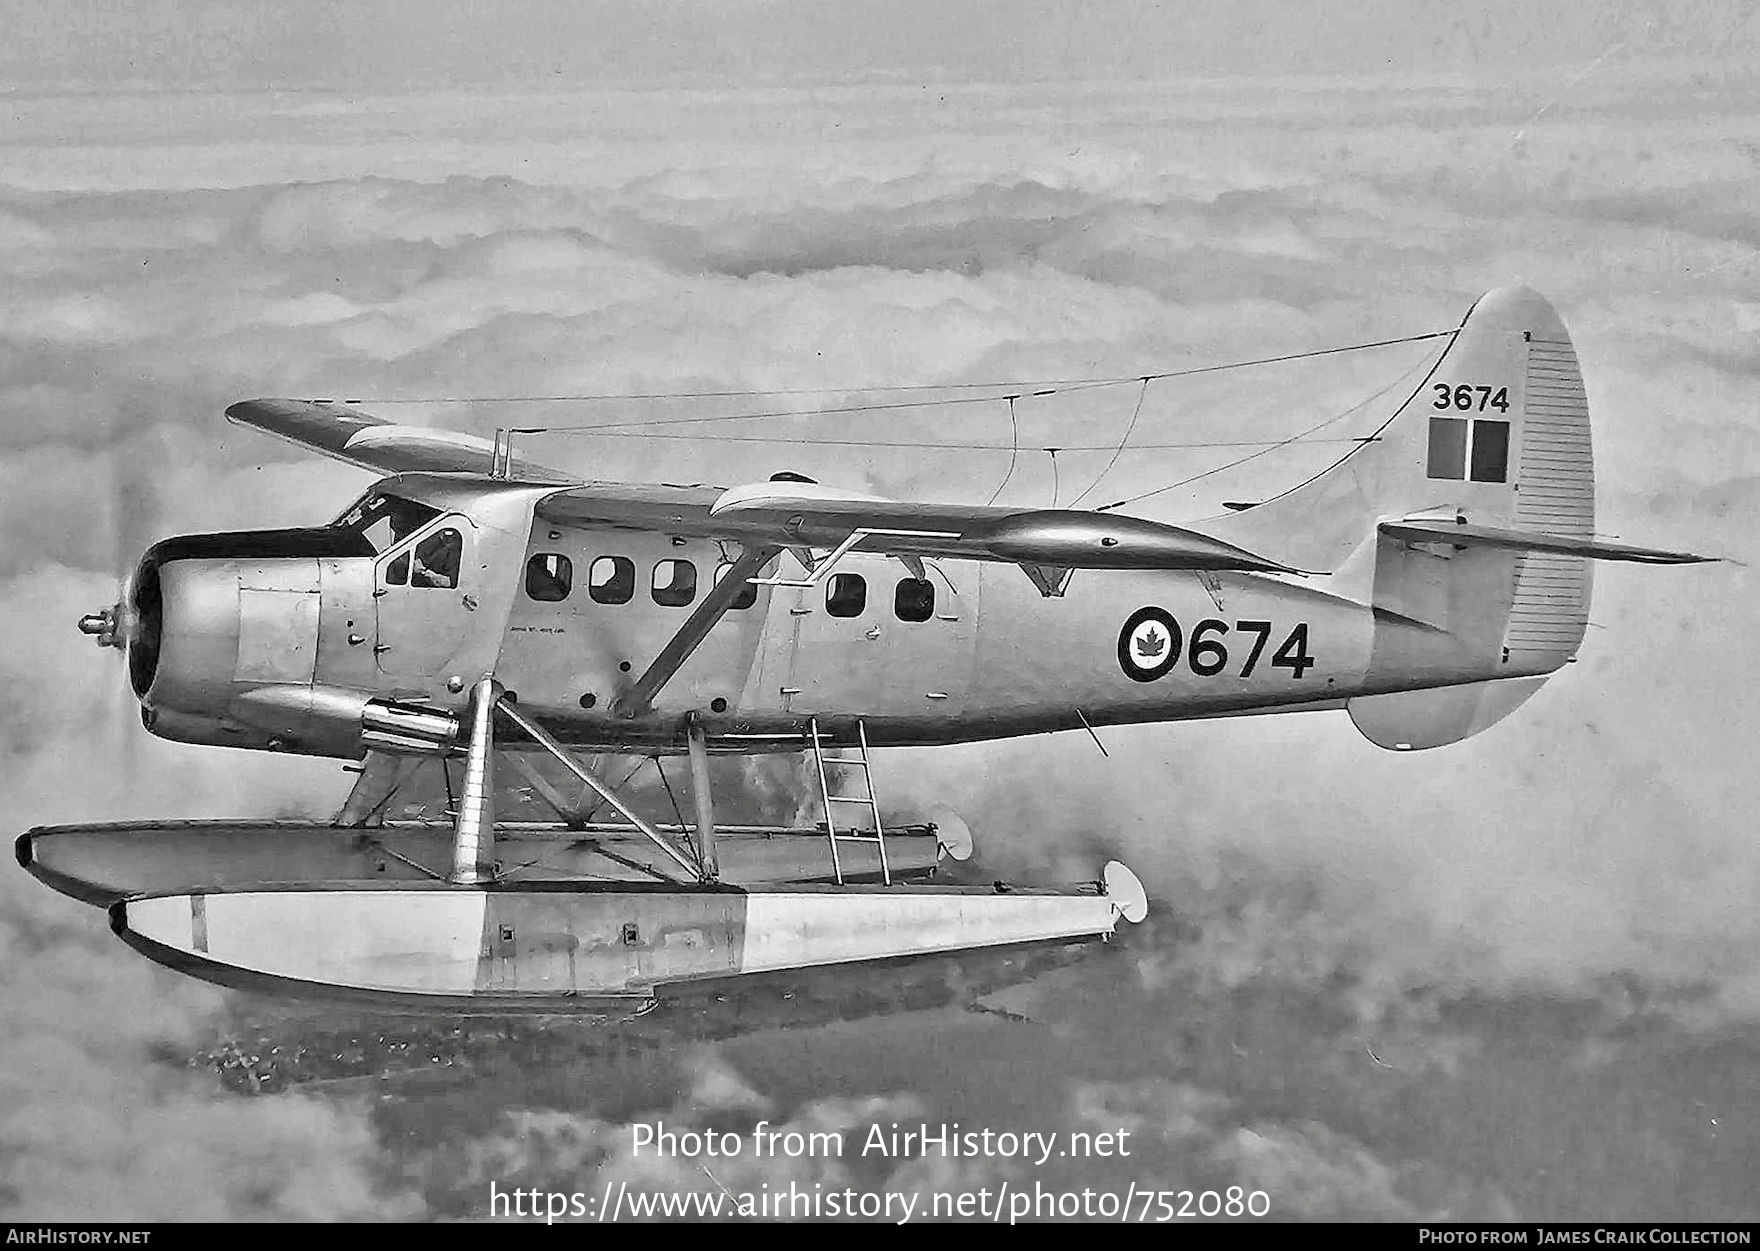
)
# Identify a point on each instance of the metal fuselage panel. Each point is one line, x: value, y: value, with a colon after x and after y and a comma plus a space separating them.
x: 1227, y: 643
x: 994, y: 657
x: 594, y: 643
x: 772, y: 664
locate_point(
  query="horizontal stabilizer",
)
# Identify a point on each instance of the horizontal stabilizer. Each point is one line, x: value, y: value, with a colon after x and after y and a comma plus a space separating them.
x: 1532, y: 541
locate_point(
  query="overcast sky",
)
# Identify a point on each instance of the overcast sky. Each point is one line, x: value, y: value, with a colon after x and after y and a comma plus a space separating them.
x: 1517, y: 977
x: 393, y: 44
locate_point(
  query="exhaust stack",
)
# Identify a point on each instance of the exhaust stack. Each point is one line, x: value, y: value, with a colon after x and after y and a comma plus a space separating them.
x: 406, y: 730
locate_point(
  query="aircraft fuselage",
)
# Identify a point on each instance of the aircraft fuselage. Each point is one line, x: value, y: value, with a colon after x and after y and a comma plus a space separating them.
x: 279, y: 646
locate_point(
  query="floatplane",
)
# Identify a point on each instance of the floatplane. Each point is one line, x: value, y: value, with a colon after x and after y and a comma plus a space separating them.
x: 474, y: 611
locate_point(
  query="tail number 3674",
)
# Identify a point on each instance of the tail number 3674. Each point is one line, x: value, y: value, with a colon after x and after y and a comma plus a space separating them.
x: 1152, y: 643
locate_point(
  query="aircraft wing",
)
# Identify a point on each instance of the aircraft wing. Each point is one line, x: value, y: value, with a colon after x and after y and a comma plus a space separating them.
x: 1424, y: 531
x: 807, y: 515
x: 381, y: 446
x: 789, y: 514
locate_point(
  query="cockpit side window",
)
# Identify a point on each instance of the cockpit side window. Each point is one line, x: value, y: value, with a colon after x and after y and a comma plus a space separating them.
x: 385, y: 520
x: 437, y: 559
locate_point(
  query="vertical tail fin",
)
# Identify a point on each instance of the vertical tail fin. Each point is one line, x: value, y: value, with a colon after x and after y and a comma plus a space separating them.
x: 1498, y: 432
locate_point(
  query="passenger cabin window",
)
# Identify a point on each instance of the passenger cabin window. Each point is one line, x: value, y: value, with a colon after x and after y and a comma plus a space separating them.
x: 612, y: 580
x: 914, y: 600
x: 748, y: 594
x: 846, y: 595
x: 549, y: 577
x: 436, y: 559
x: 386, y: 520
x: 675, y: 583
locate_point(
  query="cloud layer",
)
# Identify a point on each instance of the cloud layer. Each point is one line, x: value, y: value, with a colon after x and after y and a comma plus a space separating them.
x: 1572, y: 892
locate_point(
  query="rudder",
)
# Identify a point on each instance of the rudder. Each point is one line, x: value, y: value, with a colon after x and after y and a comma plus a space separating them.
x: 1555, y: 494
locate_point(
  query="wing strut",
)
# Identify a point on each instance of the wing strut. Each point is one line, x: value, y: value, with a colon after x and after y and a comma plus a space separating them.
x: 381, y: 777
x: 570, y: 815
x: 700, y: 795
x: 636, y: 701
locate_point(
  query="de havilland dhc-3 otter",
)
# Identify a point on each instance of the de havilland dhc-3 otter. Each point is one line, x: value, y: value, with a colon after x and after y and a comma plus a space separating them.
x: 474, y: 612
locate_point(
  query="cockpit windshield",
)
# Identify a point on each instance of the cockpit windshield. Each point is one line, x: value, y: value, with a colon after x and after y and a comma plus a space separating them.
x: 384, y: 519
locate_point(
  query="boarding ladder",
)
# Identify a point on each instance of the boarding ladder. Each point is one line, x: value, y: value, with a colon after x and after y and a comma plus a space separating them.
x: 863, y: 766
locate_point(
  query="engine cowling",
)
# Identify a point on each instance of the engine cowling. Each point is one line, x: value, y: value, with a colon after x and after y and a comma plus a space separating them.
x: 240, y: 639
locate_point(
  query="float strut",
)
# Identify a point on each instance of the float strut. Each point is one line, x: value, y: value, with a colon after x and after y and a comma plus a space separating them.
x: 474, y: 831
x: 543, y: 739
x: 702, y: 798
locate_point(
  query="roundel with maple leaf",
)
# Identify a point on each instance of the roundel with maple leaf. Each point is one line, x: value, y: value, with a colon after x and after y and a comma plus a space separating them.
x: 1149, y: 644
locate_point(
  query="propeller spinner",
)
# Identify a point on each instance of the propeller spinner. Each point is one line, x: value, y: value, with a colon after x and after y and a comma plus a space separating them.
x: 105, y: 626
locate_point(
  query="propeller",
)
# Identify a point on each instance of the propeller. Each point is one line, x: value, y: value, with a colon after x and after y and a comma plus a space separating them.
x: 136, y: 466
